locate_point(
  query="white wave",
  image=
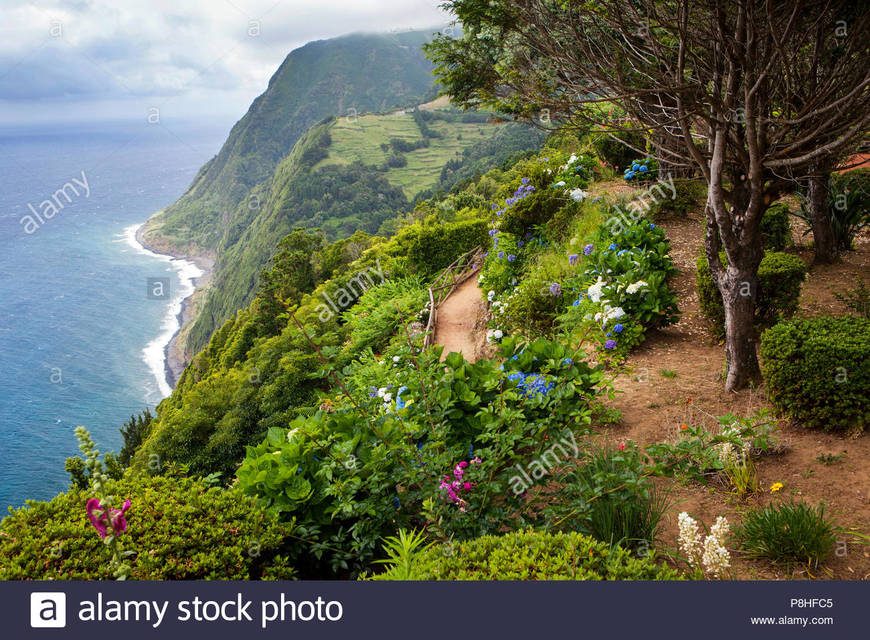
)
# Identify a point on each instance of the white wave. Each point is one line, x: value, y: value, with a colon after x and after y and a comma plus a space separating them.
x: 154, y: 353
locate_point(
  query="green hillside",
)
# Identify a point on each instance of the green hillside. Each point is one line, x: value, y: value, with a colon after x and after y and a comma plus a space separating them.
x: 360, y: 72
x: 343, y: 176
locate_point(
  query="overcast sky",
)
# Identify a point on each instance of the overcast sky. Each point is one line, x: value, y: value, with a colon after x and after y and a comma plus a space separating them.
x: 115, y: 59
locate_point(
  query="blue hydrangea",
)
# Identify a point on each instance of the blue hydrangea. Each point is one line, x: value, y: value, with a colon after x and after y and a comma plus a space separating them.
x: 400, y: 404
x: 618, y: 328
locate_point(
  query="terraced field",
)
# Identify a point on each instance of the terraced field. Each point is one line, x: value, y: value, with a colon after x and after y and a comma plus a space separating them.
x: 362, y: 139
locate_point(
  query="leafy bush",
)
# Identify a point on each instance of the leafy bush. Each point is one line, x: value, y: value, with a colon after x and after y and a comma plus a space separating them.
x: 432, y: 247
x: 775, y: 227
x: 610, y: 498
x: 532, y: 207
x: 376, y: 460
x: 780, y: 276
x: 377, y: 316
x: 857, y: 299
x: 817, y: 371
x: 615, y: 152
x: 178, y: 529
x: 697, y: 454
x: 531, y: 555
x: 690, y: 195
x: 788, y: 533
x: 848, y: 204
x: 623, y: 288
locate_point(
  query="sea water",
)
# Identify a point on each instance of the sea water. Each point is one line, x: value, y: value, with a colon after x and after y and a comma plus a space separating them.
x: 82, y: 334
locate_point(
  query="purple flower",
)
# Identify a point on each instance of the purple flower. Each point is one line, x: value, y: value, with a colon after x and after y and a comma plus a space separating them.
x: 589, y: 248
x: 525, y: 181
x: 501, y: 254
x: 520, y: 243
x: 494, y: 206
x: 511, y: 257
x: 492, y: 232
x: 573, y: 259
x: 100, y: 517
x: 555, y: 289
x: 610, y: 344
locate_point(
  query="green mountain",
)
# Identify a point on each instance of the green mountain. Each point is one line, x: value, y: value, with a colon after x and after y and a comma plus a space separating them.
x: 347, y: 75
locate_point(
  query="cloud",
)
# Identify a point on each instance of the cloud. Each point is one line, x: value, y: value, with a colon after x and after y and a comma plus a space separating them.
x: 142, y: 51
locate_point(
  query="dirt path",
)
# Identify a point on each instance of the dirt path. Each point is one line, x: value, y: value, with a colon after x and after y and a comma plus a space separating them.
x: 460, y: 325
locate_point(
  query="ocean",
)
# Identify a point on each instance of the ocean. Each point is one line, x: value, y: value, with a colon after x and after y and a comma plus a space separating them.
x: 85, y: 311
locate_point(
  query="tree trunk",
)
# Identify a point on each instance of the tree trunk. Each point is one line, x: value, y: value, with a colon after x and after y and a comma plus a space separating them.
x: 820, y: 216
x: 738, y: 287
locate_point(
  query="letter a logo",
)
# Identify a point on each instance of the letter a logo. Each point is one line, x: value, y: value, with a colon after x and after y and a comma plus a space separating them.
x: 48, y: 609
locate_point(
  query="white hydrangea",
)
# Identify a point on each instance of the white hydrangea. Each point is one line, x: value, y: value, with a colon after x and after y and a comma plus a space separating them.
x: 609, y: 313
x: 596, y: 290
x: 388, y: 397
x: 382, y: 391
x: 635, y: 287
x: 490, y: 295
x: 572, y: 159
x: 493, y: 335
x: 578, y: 195
x: 561, y: 183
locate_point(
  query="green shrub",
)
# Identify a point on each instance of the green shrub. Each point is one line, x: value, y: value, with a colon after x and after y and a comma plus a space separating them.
x: 355, y: 473
x: 377, y: 316
x: 817, y: 371
x: 788, y: 533
x: 614, y: 152
x: 848, y: 204
x: 609, y: 498
x: 533, y: 210
x: 178, y: 529
x: 532, y: 555
x: 780, y: 276
x: 857, y: 299
x: 690, y: 195
x: 432, y: 247
x: 775, y: 227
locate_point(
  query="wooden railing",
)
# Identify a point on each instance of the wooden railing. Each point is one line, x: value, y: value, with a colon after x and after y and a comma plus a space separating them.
x: 458, y: 272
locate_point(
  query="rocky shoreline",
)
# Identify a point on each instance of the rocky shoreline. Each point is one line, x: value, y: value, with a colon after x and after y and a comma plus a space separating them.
x: 175, y: 356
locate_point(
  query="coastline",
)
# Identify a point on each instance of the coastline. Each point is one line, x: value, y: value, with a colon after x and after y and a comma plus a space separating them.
x: 174, y: 357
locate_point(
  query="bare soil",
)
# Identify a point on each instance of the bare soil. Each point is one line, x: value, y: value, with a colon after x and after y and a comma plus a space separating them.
x: 461, y: 322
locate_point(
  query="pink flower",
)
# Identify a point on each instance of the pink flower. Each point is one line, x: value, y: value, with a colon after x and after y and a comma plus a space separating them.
x: 467, y: 486
x: 622, y: 446
x: 101, y: 520
x: 463, y: 464
x: 476, y: 461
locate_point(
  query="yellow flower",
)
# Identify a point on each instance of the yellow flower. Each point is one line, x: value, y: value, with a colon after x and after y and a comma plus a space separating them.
x: 776, y: 486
